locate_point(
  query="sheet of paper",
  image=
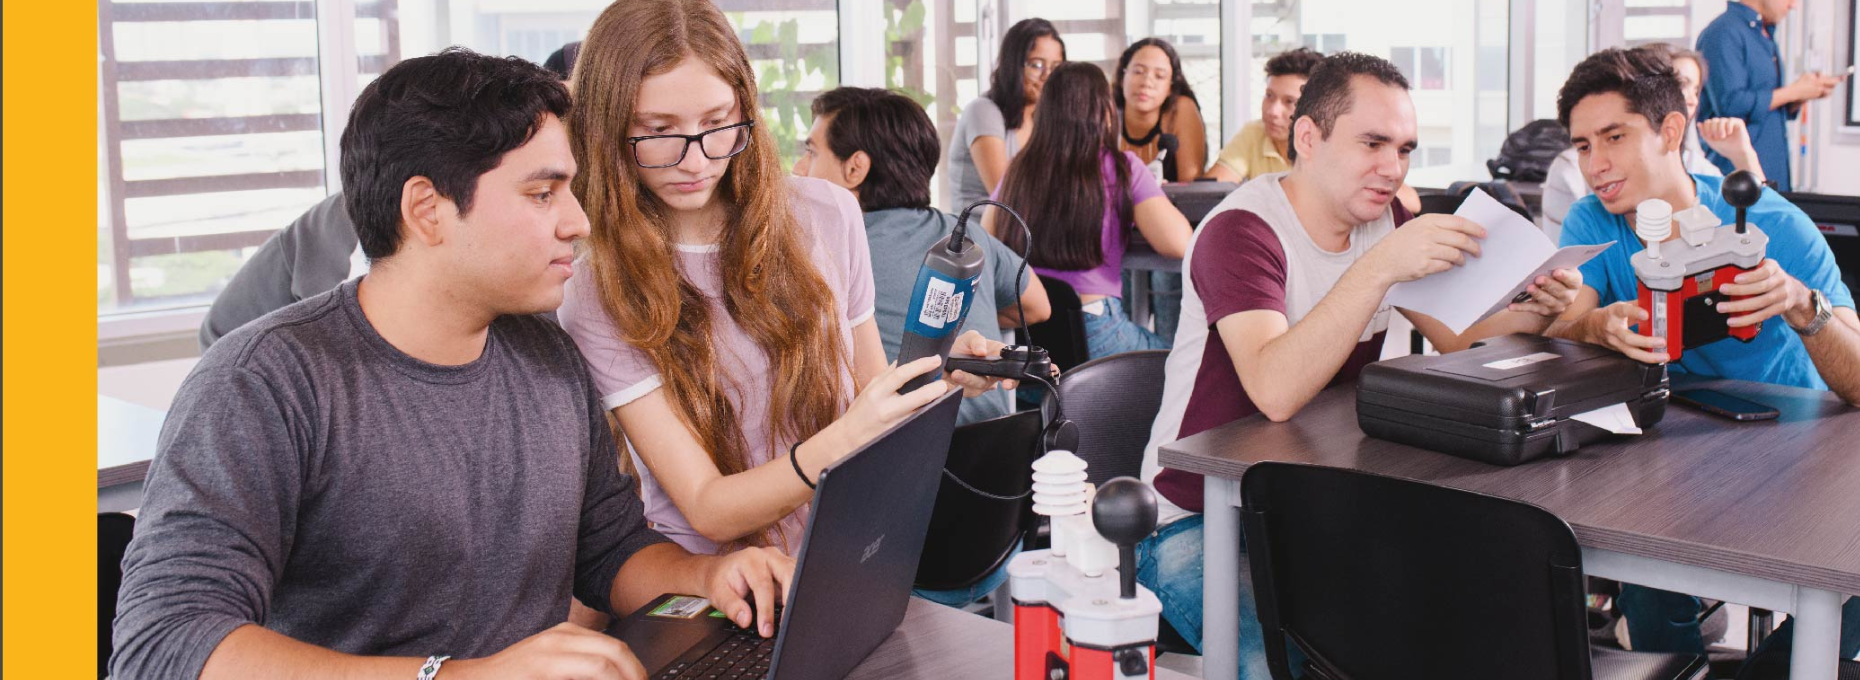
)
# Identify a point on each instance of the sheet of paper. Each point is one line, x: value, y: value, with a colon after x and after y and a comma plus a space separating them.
x: 1511, y: 256
x: 1567, y: 258
x: 1617, y: 419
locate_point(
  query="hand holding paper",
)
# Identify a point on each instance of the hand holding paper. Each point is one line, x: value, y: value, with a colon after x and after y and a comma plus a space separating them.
x: 1511, y: 256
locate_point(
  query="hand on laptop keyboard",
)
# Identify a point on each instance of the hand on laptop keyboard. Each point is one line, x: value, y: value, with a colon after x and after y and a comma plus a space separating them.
x: 741, y: 656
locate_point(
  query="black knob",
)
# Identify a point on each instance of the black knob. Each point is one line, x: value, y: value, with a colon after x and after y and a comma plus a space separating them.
x: 1124, y: 512
x: 1741, y: 189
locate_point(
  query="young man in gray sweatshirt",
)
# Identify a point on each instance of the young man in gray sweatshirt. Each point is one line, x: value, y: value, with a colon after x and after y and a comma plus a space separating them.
x: 412, y: 466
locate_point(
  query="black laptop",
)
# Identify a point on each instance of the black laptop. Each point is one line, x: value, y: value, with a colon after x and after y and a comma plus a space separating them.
x: 852, y: 579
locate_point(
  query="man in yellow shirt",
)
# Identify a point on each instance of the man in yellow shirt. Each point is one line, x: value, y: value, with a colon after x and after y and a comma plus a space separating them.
x: 1260, y: 147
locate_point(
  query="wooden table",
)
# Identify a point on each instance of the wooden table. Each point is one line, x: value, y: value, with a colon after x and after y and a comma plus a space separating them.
x: 1765, y: 514
x: 936, y: 642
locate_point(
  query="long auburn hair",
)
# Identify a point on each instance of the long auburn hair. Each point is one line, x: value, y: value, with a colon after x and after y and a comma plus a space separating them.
x: 1057, y: 183
x: 771, y: 287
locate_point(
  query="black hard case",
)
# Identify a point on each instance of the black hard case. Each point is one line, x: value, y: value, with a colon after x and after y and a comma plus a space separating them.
x: 1504, y: 402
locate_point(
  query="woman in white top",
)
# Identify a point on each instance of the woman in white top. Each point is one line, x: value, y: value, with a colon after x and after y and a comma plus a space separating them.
x: 1564, y: 184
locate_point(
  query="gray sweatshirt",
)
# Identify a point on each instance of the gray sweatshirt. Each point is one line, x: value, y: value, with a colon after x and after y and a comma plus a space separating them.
x: 307, y: 257
x: 316, y: 481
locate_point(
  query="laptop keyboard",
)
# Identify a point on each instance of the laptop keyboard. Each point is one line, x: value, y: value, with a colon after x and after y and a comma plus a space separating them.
x: 744, y: 655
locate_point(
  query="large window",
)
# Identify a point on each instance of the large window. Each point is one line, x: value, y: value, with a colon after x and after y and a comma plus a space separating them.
x: 211, y: 136
x: 1453, y: 55
x: 1560, y: 40
x: 1649, y: 21
x: 930, y: 56
x: 217, y: 119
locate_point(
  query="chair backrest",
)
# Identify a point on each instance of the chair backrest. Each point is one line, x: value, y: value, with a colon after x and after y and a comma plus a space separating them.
x: 1377, y: 577
x: 1114, y: 400
x: 1062, y: 335
x: 970, y: 534
x: 1443, y: 203
x: 114, y: 529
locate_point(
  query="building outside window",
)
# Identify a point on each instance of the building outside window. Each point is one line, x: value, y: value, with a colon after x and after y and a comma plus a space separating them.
x: 214, y: 129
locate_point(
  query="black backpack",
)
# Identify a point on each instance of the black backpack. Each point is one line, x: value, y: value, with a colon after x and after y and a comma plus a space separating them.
x: 1500, y: 190
x: 1527, y: 153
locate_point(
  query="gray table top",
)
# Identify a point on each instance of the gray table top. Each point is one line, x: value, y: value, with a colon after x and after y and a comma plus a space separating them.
x: 126, y: 438
x: 938, y: 642
x: 1194, y: 199
x: 1777, y: 499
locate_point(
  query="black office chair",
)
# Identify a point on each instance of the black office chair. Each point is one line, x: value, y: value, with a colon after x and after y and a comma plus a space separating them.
x: 1114, y: 400
x: 114, y: 529
x: 1440, y: 203
x: 1062, y: 335
x: 1377, y: 577
x: 971, y: 535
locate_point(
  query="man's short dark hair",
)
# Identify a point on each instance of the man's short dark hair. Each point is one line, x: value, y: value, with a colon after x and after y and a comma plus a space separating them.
x: 448, y: 117
x: 1298, y: 62
x: 1327, y: 93
x: 894, y: 132
x: 1645, y: 78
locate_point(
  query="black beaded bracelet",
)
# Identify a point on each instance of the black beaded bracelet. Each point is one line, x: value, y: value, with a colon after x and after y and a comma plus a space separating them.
x: 794, y: 456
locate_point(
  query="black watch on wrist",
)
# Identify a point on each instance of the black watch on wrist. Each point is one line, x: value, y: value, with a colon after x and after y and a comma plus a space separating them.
x: 1823, y: 312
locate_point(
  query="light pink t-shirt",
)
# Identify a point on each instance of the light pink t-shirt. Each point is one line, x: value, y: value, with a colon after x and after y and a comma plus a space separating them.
x: 623, y: 373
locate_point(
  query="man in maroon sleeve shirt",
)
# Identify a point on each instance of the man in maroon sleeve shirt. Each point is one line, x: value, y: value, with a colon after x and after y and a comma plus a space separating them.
x: 1284, y: 297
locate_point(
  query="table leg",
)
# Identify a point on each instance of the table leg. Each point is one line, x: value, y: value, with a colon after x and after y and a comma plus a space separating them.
x: 1817, y: 612
x: 1816, y: 652
x: 1220, y: 579
x: 1139, y: 302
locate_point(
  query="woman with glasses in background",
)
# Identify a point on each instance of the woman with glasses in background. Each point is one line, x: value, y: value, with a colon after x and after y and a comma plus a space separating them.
x: 724, y: 306
x: 1080, y: 195
x: 995, y: 126
x: 1160, y: 114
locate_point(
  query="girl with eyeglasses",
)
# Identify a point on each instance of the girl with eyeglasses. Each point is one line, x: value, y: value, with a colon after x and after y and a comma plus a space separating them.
x: 994, y: 127
x: 1160, y: 114
x: 725, y: 307
x: 1080, y: 195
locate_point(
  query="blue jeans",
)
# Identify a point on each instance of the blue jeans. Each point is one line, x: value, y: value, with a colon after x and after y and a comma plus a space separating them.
x: 1169, y: 564
x: 958, y: 597
x: 1665, y: 621
x: 1166, y: 303
x: 1113, y: 333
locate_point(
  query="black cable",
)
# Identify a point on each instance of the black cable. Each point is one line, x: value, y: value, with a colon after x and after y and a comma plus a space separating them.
x: 958, y: 480
x: 1020, y: 286
x: 1058, y: 410
x: 1020, y: 275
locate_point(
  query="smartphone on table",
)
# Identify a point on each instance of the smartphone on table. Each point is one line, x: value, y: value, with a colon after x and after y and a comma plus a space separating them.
x: 1725, y: 405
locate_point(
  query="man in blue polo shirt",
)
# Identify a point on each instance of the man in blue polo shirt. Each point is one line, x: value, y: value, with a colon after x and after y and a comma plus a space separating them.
x: 1626, y: 118
x: 1745, y: 82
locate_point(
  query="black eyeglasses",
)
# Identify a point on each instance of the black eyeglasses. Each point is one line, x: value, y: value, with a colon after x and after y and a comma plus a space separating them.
x: 664, y: 151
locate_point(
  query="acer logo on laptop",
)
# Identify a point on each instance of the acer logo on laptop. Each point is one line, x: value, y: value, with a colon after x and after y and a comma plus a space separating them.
x: 872, y: 549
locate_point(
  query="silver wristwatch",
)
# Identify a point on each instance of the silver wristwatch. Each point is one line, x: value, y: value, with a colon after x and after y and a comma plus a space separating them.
x: 1823, y: 312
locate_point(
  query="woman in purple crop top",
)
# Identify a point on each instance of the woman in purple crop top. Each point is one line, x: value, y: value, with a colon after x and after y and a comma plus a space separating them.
x: 1080, y: 195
